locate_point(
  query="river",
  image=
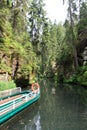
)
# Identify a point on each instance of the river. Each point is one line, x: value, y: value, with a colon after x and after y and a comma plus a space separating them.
x: 57, y: 109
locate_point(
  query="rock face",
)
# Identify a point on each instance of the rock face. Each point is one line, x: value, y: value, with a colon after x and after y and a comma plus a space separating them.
x: 82, y: 46
x: 53, y: 91
x: 85, y: 56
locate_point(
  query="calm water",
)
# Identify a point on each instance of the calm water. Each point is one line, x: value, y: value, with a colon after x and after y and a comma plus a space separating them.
x: 63, y: 110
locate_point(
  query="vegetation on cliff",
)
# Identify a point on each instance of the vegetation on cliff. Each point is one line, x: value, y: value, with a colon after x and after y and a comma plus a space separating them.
x: 31, y: 46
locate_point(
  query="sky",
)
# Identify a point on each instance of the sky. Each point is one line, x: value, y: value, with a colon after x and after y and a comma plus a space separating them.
x: 56, y: 10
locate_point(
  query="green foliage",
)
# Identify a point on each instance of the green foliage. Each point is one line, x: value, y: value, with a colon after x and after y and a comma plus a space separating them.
x: 5, y: 68
x: 46, y: 48
x: 78, y: 78
x: 4, y: 23
x: 4, y: 85
x: 83, y: 17
x: 64, y: 54
x: 82, y: 75
x: 36, y: 22
x: 72, y: 79
x: 26, y: 70
x: 16, y: 51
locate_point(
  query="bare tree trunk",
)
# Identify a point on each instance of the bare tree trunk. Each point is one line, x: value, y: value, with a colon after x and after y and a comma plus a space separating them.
x: 15, y: 65
x: 73, y: 38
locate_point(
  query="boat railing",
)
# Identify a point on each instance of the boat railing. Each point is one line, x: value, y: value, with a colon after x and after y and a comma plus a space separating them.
x: 10, y: 105
x: 9, y: 92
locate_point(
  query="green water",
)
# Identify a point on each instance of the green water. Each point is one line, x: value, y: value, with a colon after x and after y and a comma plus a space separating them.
x: 61, y: 109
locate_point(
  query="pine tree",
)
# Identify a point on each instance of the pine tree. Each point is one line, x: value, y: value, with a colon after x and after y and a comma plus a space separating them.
x: 36, y: 21
x: 72, y: 9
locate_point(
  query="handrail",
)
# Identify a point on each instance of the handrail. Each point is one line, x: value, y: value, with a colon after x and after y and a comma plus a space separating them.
x: 11, y: 101
x: 9, y: 92
x: 9, y: 105
x: 17, y: 98
x: 14, y: 103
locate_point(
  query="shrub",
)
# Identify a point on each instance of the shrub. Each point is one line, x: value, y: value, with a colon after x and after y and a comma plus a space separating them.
x: 4, y: 85
x: 82, y: 77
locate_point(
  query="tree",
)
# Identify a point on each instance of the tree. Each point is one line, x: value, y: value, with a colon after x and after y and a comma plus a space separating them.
x: 36, y: 22
x: 83, y: 16
x: 15, y: 47
x: 45, y: 47
x: 38, y: 30
x: 72, y: 16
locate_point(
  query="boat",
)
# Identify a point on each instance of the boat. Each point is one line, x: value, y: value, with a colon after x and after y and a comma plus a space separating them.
x: 13, y: 104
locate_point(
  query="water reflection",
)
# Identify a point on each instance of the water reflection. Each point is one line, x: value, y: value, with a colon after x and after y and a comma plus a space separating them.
x: 29, y: 119
x: 62, y: 110
x: 37, y: 121
x: 58, y: 109
x: 34, y: 124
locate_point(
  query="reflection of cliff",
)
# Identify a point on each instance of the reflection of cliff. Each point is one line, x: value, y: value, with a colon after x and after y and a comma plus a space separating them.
x: 37, y: 121
x: 34, y: 124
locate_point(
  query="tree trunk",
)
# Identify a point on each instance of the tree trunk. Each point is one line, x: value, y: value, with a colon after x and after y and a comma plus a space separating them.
x: 15, y: 65
x: 73, y: 38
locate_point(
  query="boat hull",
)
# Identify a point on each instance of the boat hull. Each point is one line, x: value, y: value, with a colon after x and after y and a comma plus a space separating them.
x: 13, y: 112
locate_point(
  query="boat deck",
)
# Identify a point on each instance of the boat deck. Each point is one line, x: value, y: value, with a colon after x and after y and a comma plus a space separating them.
x: 9, y: 99
x: 11, y: 103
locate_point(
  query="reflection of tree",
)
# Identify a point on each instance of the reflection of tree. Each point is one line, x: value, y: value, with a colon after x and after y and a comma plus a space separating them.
x: 48, y: 105
x: 62, y: 110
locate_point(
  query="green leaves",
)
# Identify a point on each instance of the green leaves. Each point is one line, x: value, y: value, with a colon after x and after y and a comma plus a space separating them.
x: 5, y: 85
x: 82, y: 25
x: 16, y: 51
x: 82, y: 78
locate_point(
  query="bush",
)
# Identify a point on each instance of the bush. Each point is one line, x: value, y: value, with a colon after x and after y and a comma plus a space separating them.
x: 72, y: 79
x: 4, y: 85
x: 82, y: 77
